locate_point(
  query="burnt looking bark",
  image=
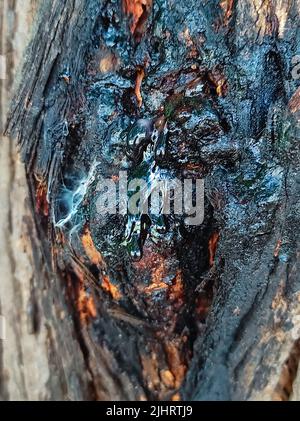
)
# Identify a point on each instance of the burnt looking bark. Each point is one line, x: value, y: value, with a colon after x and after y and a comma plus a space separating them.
x: 162, y: 310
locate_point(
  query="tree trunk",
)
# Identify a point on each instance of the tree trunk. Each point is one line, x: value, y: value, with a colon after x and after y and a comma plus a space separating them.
x: 119, y: 307
x: 35, y: 361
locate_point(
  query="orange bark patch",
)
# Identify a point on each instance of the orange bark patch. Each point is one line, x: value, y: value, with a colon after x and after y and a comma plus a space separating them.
x: 85, y: 303
x: 277, y: 248
x: 294, y: 103
x: 154, y: 263
x: 156, y: 282
x: 202, y: 306
x: 90, y: 249
x: 192, y: 49
x: 227, y: 6
x: 136, y: 9
x: 160, y: 269
x: 86, y: 307
x: 42, y: 205
x: 177, y: 367
x: 167, y: 378
x: 96, y: 258
x: 155, y: 286
x: 212, y: 247
x: 138, y: 84
x: 187, y: 37
x: 66, y: 78
x: 150, y: 371
x: 279, y: 301
x: 160, y: 285
x: 110, y: 288
x: 157, y: 275
x: 218, y: 79
x: 176, y: 291
x: 109, y: 63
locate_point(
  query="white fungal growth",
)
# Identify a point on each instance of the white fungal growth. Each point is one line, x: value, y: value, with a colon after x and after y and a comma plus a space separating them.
x: 75, y: 198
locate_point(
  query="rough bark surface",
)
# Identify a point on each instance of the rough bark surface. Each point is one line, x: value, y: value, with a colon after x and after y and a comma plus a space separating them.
x: 40, y: 359
x: 124, y: 308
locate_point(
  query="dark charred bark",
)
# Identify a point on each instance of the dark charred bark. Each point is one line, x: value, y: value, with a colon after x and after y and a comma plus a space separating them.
x: 171, y: 311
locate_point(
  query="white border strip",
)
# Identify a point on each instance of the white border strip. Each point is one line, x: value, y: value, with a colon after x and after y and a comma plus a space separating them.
x: 2, y: 328
x: 2, y: 67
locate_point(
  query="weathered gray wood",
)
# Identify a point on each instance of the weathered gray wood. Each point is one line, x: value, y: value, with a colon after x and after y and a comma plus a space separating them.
x: 40, y: 358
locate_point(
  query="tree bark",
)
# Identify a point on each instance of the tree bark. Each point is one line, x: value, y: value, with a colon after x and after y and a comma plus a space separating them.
x: 35, y: 362
x: 168, y: 311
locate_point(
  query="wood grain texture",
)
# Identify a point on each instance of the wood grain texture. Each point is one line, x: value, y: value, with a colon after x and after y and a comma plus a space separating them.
x: 35, y: 361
